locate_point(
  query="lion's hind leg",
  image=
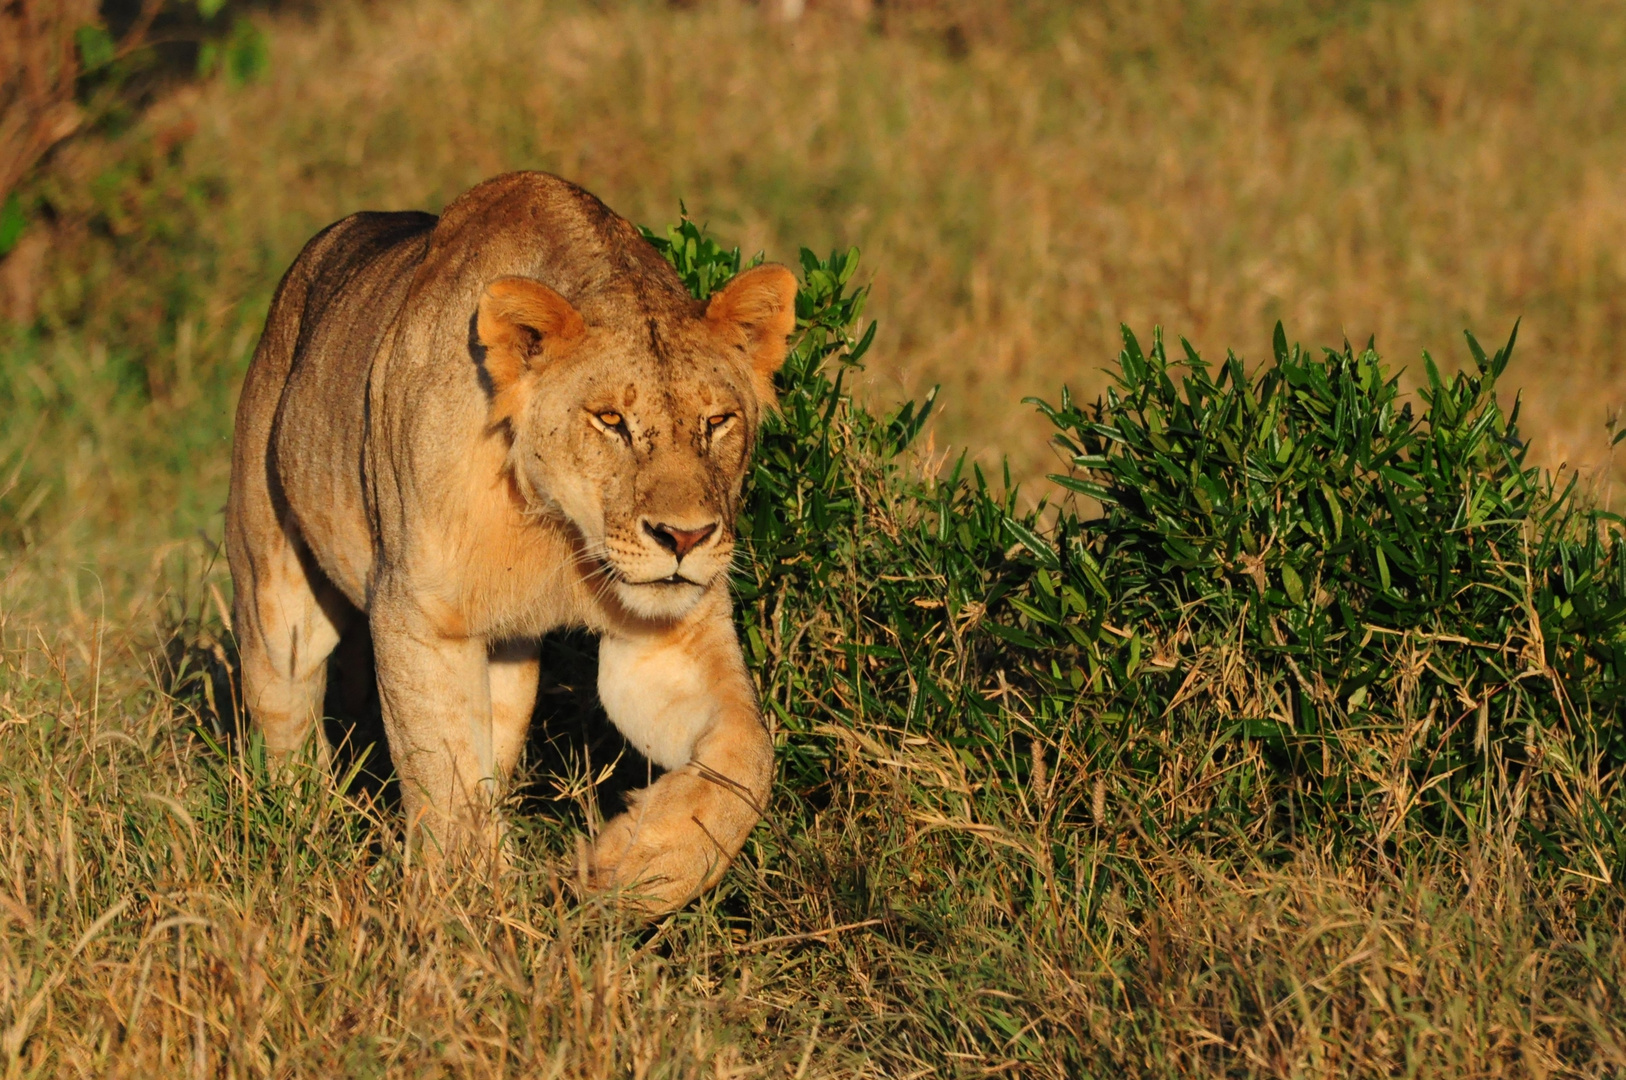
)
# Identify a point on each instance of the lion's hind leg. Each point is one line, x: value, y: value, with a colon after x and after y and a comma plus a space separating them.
x: 286, y: 615
x: 288, y: 618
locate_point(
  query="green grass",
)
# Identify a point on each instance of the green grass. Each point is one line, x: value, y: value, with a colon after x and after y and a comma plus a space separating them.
x: 1060, y: 794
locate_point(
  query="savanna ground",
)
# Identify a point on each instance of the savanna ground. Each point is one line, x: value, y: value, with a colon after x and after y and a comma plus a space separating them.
x: 1022, y: 178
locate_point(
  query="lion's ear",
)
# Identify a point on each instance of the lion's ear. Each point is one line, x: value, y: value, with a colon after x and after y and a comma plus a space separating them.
x: 757, y: 311
x: 520, y: 324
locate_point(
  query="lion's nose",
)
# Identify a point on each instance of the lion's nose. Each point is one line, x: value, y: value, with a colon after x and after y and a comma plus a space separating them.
x: 679, y: 541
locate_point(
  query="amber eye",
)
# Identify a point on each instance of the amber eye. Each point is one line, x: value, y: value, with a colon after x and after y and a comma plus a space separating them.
x: 610, y: 419
x: 720, y: 419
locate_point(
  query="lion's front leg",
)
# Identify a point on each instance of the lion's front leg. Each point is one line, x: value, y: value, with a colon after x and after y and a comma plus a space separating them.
x: 683, y: 698
x: 437, y: 716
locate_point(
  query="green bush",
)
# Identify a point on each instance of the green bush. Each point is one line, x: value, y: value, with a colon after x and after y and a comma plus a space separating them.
x: 1378, y: 567
x: 1358, y: 614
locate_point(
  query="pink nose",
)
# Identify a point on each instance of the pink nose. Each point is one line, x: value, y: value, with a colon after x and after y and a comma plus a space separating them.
x: 679, y: 541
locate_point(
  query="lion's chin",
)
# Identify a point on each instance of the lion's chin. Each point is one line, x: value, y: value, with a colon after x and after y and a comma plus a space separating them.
x: 660, y: 599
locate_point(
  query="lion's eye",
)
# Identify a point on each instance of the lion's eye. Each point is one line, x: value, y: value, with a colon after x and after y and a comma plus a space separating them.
x: 719, y: 420
x: 610, y: 419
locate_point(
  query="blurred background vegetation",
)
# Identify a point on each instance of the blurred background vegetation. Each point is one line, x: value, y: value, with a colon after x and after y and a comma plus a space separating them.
x: 1023, y: 177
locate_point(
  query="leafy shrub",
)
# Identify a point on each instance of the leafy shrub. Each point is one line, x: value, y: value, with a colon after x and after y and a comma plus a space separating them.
x: 1350, y: 518
x: 1354, y: 613
x: 1377, y: 567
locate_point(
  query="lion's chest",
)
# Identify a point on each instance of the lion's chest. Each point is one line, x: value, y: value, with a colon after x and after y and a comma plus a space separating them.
x: 500, y: 574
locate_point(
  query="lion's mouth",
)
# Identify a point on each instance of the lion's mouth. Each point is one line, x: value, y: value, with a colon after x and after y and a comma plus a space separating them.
x: 617, y: 575
x: 671, y: 579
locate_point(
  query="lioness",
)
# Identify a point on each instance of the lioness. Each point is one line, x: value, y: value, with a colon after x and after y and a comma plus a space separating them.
x: 471, y: 431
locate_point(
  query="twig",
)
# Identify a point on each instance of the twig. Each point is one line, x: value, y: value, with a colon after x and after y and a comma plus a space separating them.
x: 812, y: 935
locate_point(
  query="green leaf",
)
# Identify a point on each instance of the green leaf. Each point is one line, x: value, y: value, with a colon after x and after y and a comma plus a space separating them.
x: 1336, y: 510
x: 1433, y: 371
x: 848, y: 266
x: 1478, y: 353
x: 12, y: 222
x: 1505, y: 353
x: 1044, y: 552
x: 246, y: 55
x: 1099, y: 492
x: 1292, y: 584
x: 96, y: 47
x: 858, y: 351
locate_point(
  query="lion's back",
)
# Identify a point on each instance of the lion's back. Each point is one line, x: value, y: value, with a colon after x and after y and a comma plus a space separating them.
x: 301, y: 421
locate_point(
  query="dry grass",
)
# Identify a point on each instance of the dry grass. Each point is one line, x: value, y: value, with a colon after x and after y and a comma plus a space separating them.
x: 169, y: 912
x: 1020, y: 185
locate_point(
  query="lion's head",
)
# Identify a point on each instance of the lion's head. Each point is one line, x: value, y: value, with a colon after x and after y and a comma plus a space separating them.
x: 638, y: 433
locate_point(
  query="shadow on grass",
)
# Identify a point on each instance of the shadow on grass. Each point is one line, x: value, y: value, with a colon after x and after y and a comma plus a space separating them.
x: 576, y: 762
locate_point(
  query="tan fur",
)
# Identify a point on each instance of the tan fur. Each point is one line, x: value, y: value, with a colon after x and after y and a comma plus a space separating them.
x: 473, y: 431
